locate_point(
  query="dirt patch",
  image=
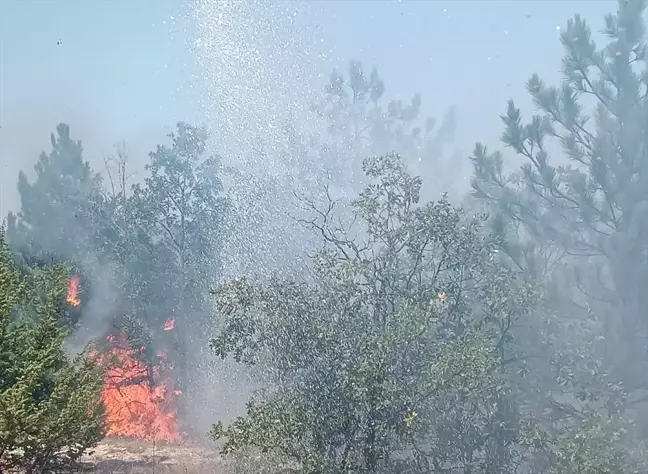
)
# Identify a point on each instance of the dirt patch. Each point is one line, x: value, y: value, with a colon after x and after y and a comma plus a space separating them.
x: 118, y: 456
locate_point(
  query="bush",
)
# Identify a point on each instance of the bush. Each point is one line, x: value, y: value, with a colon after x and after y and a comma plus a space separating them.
x: 390, y: 359
x: 50, y: 404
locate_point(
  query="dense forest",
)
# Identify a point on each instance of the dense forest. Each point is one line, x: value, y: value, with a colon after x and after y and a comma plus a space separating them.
x: 396, y: 334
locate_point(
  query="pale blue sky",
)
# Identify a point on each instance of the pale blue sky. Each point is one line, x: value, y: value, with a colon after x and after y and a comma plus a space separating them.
x: 122, y: 68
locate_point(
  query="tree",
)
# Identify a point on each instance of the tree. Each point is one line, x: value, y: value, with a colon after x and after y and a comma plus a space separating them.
x: 581, y: 225
x: 361, y: 123
x: 351, y: 118
x: 173, y: 224
x: 50, y: 405
x: 391, y: 357
x: 60, y: 211
x: 63, y: 215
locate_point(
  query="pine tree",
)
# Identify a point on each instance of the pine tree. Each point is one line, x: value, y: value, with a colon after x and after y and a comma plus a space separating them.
x: 63, y: 216
x: 578, y: 221
x: 50, y: 404
x: 361, y: 122
x: 61, y: 210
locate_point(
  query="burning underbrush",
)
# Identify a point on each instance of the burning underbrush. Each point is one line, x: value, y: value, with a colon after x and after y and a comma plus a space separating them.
x: 141, y: 407
x: 139, y: 395
x: 142, y: 434
x: 140, y: 399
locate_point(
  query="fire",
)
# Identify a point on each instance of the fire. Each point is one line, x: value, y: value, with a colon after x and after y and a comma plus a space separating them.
x: 169, y: 324
x: 137, y: 404
x: 73, y: 291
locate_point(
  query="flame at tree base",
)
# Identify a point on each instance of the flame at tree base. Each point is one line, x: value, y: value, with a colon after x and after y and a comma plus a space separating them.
x: 73, y: 291
x: 137, y: 404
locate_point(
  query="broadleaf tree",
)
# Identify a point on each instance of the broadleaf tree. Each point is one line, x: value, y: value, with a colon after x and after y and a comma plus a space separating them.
x: 390, y: 357
x: 178, y: 214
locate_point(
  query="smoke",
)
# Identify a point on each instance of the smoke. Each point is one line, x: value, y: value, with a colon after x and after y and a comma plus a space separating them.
x: 101, y: 306
x: 262, y: 65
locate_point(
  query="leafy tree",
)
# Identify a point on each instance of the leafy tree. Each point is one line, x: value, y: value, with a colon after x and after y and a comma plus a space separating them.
x: 50, y: 405
x: 352, y: 118
x: 391, y: 357
x: 172, y: 225
x: 579, y: 222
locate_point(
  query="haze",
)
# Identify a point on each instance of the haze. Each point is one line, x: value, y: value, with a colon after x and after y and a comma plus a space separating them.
x: 122, y: 70
x: 332, y: 237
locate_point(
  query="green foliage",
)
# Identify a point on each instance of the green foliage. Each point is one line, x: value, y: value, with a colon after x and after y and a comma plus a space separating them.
x: 171, y: 227
x: 62, y: 205
x: 577, y: 222
x: 181, y: 204
x: 596, y: 445
x: 50, y: 405
x: 144, y: 253
x: 62, y: 215
x: 389, y: 360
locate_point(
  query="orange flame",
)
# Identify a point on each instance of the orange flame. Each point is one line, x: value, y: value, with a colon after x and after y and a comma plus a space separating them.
x: 73, y: 291
x: 169, y: 324
x: 137, y: 406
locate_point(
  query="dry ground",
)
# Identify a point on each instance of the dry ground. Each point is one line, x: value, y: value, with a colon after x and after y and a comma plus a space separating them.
x: 118, y: 456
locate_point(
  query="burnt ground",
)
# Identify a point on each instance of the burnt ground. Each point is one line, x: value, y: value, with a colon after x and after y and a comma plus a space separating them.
x: 121, y: 456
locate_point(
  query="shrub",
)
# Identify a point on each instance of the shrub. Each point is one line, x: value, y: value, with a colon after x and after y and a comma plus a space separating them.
x: 50, y: 403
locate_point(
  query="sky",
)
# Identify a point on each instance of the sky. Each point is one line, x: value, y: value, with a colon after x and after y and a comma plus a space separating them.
x: 123, y: 70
